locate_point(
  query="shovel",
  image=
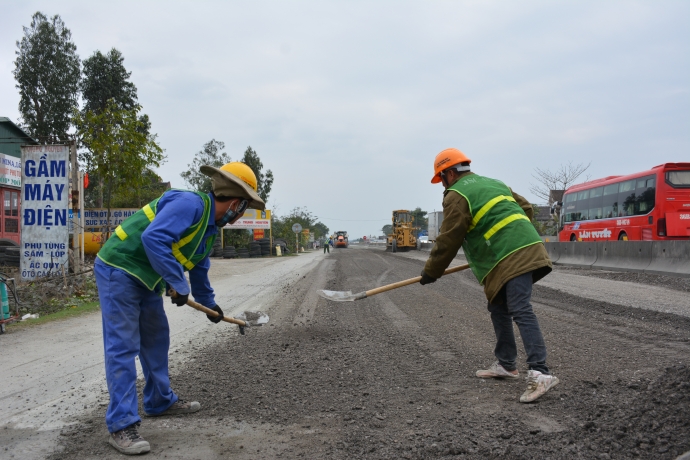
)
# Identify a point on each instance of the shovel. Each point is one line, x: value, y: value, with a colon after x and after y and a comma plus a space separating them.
x: 208, y: 311
x: 348, y: 296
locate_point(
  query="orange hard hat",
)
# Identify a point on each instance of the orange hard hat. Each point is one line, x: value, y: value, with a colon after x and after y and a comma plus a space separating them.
x: 446, y: 159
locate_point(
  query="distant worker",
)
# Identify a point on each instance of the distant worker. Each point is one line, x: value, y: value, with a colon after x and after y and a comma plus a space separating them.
x: 493, y: 226
x: 330, y: 242
x: 326, y: 247
x: 152, y: 248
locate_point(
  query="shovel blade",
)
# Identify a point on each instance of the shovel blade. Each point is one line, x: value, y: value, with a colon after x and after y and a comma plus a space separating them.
x: 339, y: 296
x: 254, y: 318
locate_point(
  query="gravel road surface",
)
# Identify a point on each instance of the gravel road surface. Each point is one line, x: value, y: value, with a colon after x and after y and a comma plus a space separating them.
x: 392, y: 376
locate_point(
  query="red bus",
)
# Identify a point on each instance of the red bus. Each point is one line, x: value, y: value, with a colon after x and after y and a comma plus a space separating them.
x: 649, y: 205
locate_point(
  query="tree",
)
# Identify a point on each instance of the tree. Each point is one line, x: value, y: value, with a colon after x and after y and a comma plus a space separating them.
x: 106, y: 78
x: 264, y: 182
x: 387, y: 229
x: 420, y: 220
x: 211, y: 155
x: 119, y: 152
x: 561, y: 179
x: 551, y: 184
x: 282, y: 226
x: 47, y: 71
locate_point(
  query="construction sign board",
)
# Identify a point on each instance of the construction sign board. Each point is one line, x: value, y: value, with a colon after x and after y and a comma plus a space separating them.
x: 44, y: 222
x: 253, y: 218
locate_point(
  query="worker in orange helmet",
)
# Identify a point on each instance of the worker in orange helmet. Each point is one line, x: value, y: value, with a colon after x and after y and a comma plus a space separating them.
x: 493, y: 226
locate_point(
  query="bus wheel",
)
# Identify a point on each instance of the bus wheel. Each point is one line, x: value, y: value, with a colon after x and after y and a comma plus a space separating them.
x: 573, y: 238
x: 623, y: 237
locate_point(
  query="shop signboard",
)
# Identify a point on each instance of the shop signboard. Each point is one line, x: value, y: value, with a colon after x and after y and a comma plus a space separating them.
x: 259, y: 233
x: 10, y: 170
x: 44, y: 220
x: 253, y: 218
x: 96, y: 219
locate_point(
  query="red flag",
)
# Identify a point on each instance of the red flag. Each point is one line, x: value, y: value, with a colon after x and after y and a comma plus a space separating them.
x: 86, y: 180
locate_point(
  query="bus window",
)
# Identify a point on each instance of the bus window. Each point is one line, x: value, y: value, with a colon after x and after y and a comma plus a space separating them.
x: 610, y: 202
x: 645, y: 195
x: 678, y: 179
x: 582, y: 195
x: 626, y: 198
x: 568, y: 210
x: 581, y: 209
x: 595, y: 203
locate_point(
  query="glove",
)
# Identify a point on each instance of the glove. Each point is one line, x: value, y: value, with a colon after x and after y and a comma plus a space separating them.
x: 426, y: 279
x: 180, y: 299
x: 216, y: 319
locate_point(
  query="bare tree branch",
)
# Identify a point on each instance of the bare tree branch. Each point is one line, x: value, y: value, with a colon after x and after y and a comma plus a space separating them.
x: 560, y: 179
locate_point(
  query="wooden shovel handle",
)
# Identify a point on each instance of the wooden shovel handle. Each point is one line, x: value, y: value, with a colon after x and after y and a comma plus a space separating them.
x: 208, y: 311
x: 390, y: 287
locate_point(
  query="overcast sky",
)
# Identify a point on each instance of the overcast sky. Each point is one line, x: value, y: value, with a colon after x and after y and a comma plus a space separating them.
x: 349, y: 102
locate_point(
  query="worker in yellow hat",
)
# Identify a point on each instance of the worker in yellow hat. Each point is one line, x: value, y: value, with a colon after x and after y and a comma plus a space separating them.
x: 151, y: 249
x: 493, y: 226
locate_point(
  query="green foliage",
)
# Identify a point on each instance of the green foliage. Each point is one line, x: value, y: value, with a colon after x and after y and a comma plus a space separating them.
x: 237, y: 237
x: 211, y: 155
x: 387, y: 229
x: 543, y: 228
x: 105, y: 78
x: 47, y: 71
x: 282, y: 226
x: 264, y: 181
x: 119, y: 153
x: 421, y: 222
x: 151, y: 188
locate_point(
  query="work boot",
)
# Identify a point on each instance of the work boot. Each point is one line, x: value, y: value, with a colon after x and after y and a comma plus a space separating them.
x: 179, y: 407
x: 496, y: 371
x: 128, y: 441
x: 537, y: 385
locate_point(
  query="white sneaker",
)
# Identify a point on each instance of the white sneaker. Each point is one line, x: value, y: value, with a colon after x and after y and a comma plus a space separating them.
x: 496, y: 371
x: 537, y: 385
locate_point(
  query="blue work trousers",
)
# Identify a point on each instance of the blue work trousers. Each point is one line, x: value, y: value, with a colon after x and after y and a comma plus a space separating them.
x: 134, y: 323
x: 517, y: 307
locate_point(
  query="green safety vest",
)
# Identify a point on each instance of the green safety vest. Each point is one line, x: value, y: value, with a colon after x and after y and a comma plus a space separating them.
x: 124, y: 249
x: 499, y: 225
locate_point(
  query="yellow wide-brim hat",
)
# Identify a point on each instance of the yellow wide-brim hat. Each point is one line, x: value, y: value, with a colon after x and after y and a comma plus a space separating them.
x: 228, y: 185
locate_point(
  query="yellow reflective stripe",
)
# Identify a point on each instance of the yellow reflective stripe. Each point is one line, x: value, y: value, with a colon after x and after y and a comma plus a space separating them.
x: 189, y: 237
x: 490, y: 204
x: 149, y: 212
x: 121, y: 233
x: 180, y: 258
x: 503, y: 223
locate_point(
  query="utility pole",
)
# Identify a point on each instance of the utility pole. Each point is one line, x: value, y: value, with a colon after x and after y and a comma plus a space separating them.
x: 76, y: 251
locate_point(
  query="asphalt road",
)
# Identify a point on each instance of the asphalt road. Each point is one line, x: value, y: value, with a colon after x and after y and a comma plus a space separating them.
x: 392, y: 376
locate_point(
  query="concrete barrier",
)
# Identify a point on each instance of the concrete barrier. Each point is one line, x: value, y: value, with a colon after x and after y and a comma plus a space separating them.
x: 670, y: 258
x: 577, y: 254
x: 626, y: 256
x: 554, y: 250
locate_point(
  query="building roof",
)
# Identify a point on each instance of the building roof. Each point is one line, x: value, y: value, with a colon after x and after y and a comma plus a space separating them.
x: 19, y: 130
x: 12, y: 137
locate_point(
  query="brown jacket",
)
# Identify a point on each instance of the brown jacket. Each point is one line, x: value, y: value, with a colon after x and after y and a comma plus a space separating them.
x: 456, y: 221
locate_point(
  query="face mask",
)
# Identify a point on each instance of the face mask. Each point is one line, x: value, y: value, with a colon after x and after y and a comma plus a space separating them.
x: 231, y: 216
